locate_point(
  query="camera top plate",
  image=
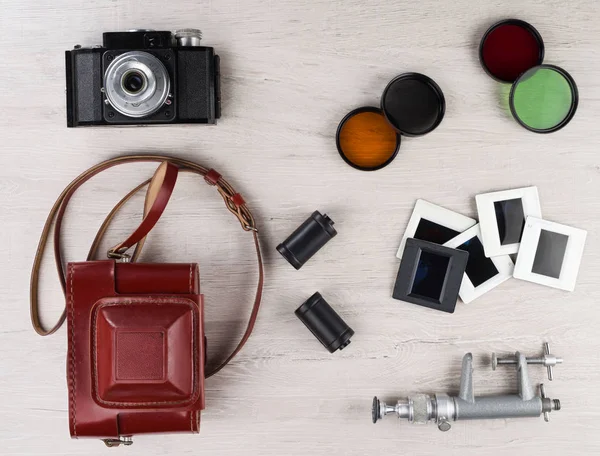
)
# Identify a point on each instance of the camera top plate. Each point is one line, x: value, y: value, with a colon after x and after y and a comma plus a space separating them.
x: 142, y: 39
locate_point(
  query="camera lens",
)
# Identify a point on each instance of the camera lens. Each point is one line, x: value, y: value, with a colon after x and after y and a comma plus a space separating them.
x: 133, y: 82
x: 136, y: 84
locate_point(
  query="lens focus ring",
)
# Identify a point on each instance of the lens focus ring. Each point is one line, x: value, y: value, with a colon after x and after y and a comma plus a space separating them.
x: 136, y: 84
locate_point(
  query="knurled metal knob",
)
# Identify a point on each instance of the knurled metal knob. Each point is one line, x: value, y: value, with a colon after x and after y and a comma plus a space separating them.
x: 188, y: 37
x: 546, y: 359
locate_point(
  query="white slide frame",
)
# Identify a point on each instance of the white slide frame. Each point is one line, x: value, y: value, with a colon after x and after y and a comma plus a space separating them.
x: 487, y: 217
x: 436, y: 214
x: 468, y: 292
x: 571, y: 259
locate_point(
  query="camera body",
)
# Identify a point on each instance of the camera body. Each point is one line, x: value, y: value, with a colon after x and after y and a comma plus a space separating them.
x: 143, y: 77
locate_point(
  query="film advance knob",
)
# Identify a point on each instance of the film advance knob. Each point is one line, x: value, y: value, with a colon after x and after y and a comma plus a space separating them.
x: 188, y: 37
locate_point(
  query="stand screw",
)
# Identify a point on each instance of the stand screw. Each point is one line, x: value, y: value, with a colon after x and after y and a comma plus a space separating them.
x: 548, y: 366
x: 543, y: 396
x: 444, y: 426
x: 547, y: 360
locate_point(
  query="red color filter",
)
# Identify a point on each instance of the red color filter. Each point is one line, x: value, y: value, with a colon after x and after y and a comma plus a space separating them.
x: 509, y: 48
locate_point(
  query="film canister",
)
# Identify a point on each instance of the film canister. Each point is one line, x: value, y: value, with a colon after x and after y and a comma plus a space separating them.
x: 307, y: 239
x: 325, y: 324
x: 368, y: 138
x: 543, y: 98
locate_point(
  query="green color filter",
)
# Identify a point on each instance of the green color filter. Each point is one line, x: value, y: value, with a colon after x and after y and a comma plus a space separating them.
x: 544, y: 98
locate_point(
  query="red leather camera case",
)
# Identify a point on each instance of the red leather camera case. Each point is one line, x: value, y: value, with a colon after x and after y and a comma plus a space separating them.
x: 136, y: 350
x: 136, y: 345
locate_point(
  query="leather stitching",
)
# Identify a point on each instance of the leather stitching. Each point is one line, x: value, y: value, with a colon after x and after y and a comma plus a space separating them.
x: 192, y: 398
x: 183, y: 301
x: 73, y: 372
x: 192, y: 420
x: 191, y: 278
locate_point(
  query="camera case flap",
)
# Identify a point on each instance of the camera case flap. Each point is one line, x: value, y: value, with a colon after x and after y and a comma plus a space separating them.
x: 143, y: 351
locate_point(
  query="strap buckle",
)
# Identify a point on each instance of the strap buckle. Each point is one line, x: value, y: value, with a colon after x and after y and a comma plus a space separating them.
x: 122, y: 257
x: 111, y: 443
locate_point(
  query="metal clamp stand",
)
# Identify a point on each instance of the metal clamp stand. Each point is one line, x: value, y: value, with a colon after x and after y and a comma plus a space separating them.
x: 443, y: 408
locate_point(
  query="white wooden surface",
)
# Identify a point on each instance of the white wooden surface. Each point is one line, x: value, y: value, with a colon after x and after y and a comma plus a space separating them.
x: 291, y: 70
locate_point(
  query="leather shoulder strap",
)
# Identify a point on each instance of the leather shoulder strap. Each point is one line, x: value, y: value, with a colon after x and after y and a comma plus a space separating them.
x: 157, y: 197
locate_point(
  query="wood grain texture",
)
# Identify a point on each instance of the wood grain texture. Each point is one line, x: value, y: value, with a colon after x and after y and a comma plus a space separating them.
x: 291, y: 70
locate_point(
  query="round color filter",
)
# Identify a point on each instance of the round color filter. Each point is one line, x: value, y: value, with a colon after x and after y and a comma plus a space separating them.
x: 413, y: 104
x: 544, y: 99
x: 365, y: 140
x: 509, y: 48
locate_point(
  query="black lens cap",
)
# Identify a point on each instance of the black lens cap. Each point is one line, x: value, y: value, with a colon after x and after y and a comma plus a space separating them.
x: 413, y: 104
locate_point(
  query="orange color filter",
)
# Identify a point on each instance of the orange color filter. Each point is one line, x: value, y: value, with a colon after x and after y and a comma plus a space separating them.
x: 366, y: 140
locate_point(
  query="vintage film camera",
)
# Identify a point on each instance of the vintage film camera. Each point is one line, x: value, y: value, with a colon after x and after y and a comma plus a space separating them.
x: 143, y: 77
